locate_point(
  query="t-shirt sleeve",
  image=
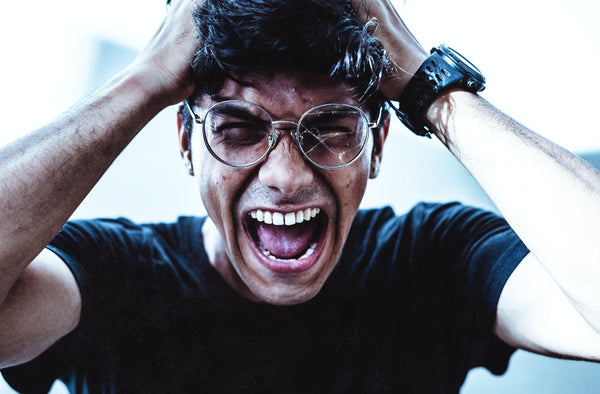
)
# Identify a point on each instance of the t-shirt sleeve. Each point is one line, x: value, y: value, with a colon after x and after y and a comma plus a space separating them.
x: 98, y: 254
x: 473, y: 253
x: 439, y: 271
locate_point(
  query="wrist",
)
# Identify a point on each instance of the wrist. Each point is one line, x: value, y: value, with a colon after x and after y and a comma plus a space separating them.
x: 151, y: 88
x: 394, y: 83
x: 443, y: 71
x: 130, y: 99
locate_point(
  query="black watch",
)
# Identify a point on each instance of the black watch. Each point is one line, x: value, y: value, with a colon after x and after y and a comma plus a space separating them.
x: 444, y: 69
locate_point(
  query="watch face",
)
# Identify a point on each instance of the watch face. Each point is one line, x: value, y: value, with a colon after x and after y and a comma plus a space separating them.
x: 462, y: 62
x: 461, y: 59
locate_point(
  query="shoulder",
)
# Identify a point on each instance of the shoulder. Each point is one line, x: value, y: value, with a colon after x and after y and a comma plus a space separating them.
x: 430, y: 238
x: 124, y: 233
x: 423, y: 221
x: 423, y: 216
x: 111, y: 257
x: 379, y: 239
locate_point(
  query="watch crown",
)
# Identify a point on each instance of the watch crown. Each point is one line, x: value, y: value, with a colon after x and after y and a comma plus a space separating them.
x: 472, y: 85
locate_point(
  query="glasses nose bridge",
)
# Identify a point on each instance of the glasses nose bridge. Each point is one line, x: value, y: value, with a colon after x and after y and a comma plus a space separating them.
x: 292, y: 130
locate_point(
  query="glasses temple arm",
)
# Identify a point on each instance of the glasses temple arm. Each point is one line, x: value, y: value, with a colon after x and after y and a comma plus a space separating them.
x: 375, y: 124
x: 189, y: 107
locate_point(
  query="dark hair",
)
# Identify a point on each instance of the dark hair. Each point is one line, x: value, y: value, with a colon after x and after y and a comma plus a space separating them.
x: 312, y: 36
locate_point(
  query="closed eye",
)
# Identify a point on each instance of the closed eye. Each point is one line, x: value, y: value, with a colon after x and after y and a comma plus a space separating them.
x: 239, y: 134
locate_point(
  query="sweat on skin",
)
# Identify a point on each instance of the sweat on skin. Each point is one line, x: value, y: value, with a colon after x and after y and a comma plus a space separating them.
x: 249, y: 253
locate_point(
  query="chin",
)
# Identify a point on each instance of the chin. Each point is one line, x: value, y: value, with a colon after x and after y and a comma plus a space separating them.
x: 285, y: 295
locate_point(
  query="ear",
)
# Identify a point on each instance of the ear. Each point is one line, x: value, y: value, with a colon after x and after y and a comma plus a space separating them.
x: 377, y: 153
x: 185, y: 149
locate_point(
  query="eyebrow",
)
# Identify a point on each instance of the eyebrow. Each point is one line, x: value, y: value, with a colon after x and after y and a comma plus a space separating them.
x: 242, y: 114
x: 332, y: 115
x: 218, y: 98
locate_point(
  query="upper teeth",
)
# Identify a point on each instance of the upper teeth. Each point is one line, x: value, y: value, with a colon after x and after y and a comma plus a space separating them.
x: 281, y: 218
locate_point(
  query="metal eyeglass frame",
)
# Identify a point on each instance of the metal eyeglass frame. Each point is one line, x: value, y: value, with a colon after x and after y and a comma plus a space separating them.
x: 274, y: 134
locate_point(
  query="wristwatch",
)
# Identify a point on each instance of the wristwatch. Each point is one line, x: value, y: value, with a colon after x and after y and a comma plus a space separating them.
x: 444, y: 69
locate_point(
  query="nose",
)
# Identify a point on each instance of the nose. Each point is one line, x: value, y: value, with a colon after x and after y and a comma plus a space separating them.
x: 285, y: 168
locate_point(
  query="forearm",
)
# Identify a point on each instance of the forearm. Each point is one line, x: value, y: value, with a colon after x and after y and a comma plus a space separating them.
x: 550, y: 197
x: 45, y: 175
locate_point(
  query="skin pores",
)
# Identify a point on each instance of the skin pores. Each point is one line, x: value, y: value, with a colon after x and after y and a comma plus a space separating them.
x: 244, y: 204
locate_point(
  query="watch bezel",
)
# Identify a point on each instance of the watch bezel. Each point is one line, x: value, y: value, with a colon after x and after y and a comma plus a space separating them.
x: 476, y: 80
x: 444, y: 69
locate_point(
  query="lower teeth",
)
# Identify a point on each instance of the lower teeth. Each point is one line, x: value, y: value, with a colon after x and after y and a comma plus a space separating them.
x: 268, y: 254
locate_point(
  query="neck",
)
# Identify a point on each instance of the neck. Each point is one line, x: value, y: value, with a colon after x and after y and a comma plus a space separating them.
x: 217, y: 255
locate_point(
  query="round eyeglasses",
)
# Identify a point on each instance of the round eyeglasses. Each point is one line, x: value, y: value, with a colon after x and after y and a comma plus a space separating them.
x: 240, y: 134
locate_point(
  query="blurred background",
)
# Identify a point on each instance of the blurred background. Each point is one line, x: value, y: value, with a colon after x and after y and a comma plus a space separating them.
x: 539, y: 57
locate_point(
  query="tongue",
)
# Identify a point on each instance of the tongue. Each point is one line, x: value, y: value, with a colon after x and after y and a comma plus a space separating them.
x: 286, y: 242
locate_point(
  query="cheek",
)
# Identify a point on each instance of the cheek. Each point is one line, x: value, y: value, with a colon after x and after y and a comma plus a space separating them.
x: 219, y: 186
x: 350, y: 189
x: 354, y: 183
x: 349, y: 186
x: 213, y: 186
x: 355, y: 190
x: 212, y: 178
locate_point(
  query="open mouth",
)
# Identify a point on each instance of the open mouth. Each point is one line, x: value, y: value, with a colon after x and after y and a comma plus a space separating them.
x: 287, y: 241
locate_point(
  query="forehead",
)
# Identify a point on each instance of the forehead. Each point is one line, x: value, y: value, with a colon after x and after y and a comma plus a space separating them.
x: 283, y: 95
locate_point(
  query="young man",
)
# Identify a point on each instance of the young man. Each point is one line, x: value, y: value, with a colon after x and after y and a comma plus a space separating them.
x: 286, y: 286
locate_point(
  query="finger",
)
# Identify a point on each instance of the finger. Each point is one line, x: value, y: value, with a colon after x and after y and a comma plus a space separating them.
x: 403, y: 49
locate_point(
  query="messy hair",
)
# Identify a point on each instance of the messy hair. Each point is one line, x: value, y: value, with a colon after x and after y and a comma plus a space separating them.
x: 310, y: 36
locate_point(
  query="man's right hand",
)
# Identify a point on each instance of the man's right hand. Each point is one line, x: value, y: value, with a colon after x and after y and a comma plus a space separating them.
x: 403, y: 49
x: 45, y: 175
x: 165, y: 62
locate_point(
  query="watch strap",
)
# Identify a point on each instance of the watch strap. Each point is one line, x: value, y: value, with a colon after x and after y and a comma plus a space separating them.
x: 438, y: 73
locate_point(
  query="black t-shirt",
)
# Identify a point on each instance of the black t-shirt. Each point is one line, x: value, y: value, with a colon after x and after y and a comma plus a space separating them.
x: 409, y: 308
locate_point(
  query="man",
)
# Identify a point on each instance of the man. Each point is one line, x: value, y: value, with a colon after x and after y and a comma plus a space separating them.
x: 285, y: 287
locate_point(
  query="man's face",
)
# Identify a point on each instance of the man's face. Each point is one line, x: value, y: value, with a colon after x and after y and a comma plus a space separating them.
x: 278, y: 264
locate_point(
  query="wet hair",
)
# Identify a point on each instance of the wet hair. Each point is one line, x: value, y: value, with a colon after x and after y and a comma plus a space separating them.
x: 324, y: 37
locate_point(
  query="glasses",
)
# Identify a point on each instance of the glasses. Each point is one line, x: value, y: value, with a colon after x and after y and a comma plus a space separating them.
x: 241, y: 134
